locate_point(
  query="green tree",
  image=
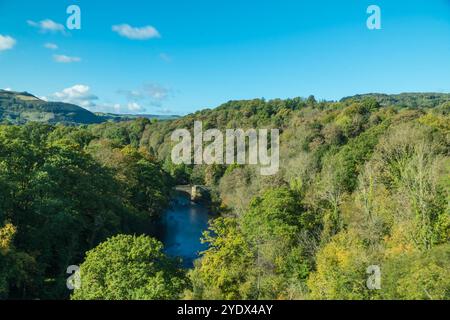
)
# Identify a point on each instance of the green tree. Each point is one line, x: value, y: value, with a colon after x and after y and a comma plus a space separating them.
x: 417, y: 275
x: 129, y: 267
x: 226, y: 266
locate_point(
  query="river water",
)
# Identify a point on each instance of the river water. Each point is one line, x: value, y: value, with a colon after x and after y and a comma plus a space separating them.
x: 182, y: 227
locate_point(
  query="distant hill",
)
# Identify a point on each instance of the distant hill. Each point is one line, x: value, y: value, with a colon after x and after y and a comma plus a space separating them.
x: 23, y: 107
x: 411, y: 100
x: 127, y: 117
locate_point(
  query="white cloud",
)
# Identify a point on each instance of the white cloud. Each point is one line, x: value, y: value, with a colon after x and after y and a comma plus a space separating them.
x: 78, y: 94
x: 116, y: 107
x: 7, y: 42
x: 150, y: 95
x: 7, y: 89
x: 156, y: 91
x: 82, y: 95
x: 133, y: 106
x: 47, y: 25
x: 107, y: 108
x: 142, y: 33
x: 51, y: 46
x: 153, y: 92
x: 60, y: 58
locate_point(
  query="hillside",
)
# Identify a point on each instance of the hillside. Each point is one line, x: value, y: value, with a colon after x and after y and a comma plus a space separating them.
x: 23, y: 107
x: 411, y: 100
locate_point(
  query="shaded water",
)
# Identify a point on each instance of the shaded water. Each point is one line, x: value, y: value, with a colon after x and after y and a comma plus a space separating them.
x: 182, y: 227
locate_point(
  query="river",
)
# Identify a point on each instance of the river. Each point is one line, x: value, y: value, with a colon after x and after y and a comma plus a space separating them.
x: 182, y: 227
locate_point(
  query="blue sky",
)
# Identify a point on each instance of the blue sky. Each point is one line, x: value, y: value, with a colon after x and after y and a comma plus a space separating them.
x: 178, y: 56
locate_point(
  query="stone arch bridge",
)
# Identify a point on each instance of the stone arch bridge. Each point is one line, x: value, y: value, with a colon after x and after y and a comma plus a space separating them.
x: 197, y: 193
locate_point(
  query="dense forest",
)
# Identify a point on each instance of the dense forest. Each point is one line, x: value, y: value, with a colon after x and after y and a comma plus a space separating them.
x: 363, y: 182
